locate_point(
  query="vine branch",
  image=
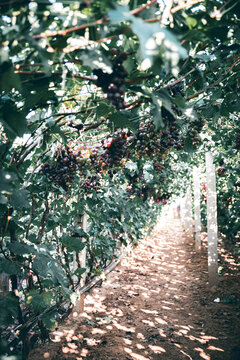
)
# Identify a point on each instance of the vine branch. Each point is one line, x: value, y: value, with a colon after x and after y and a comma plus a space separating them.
x: 184, y: 6
x: 23, y: 72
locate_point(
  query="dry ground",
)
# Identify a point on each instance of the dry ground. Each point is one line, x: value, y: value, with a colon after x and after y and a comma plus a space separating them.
x: 156, y: 305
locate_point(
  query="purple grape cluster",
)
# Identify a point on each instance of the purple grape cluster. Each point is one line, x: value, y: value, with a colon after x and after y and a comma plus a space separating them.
x: 113, y: 84
x: 63, y: 170
x: 115, y: 148
x: 91, y: 183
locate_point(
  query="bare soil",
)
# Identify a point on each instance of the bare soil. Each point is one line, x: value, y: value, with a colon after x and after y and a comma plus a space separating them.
x: 156, y: 305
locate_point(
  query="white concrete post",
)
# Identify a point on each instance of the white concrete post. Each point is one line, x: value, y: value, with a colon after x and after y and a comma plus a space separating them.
x: 83, y: 260
x: 183, y: 211
x: 212, y: 228
x: 189, y: 211
x: 197, y: 213
x: 83, y: 254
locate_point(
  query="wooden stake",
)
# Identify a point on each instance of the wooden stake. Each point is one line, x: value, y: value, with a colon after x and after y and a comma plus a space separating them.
x: 197, y: 213
x: 212, y: 228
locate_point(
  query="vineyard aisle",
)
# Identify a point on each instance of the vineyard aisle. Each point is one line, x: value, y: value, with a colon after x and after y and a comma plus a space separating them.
x: 156, y: 305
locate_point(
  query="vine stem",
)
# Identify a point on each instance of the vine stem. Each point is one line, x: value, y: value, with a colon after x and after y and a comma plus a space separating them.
x: 143, y: 7
x: 185, y: 5
x: 13, y: 2
x: 218, y: 12
x: 235, y: 63
x: 23, y: 72
x: 43, y: 220
x: 85, y: 26
x: 215, y: 82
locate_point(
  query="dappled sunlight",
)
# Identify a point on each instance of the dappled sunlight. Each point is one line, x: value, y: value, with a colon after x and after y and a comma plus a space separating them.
x: 157, y: 349
x: 202, y: 354
x: 214, y: 348
x: 84, y: 352
x: 149, y: 308
x: 134, y: 355
x: 124, y: 328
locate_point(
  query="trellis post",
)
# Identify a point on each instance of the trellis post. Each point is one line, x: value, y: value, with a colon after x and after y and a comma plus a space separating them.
x: 212, y: 228
x: 183, y: 211
x: 189, y: 211
x: 83, y: 257
x: 79, y: 259
x: 197, y: 213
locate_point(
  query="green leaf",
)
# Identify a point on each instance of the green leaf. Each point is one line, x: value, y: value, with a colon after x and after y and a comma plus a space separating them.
x: 8, y: 79
x: 9, y: 309
x: 3, y: 148
x: 49, y: 320
x: 21, y: 249
x: 191, y: 21
x: 8, y: 267
x: 56, y: 130
x: 19, y: 199
x: 39, y: 301
x: 122, y: 121
x: 7, y: 180
x: 157, y: 112
x: 95, y: 59
x: 103, y: 109
x: 179, y: 100
x: 188, y: 147
x: 40, y: 264
x: 72, y: 243
x: 12, y: 119
x: 57, y: 274
x: 50, y: 123
x: 148, y: 37
x: 80, y: 271
x: 58, y: 42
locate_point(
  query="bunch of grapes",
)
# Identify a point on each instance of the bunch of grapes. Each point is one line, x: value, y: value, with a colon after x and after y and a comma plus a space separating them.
x: 63, y: 170
x: 151, y: 143
x: 221, y: 171
x: 113, y: 84
x: 238, y: 141
x: 147, y: 140
x: 95, y: 161
x: 91, y: 183
x: 195, y: 127
x: 170, y: 137
x: 115, y: 148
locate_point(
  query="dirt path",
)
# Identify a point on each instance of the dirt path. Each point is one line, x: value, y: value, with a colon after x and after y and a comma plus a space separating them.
x: 156, y: 305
